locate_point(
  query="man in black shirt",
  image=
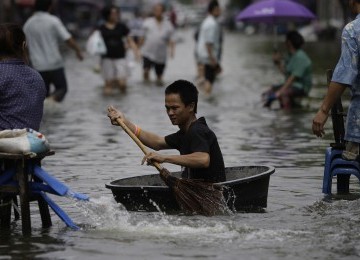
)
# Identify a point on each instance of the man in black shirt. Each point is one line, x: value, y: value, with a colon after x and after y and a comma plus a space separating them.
x: 200, y: 154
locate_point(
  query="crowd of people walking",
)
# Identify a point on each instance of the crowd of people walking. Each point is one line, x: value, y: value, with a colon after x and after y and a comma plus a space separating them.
x: 151, y: 38
x: 34, y: 51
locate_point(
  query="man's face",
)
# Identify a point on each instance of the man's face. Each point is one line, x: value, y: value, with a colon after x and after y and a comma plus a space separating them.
x: 178, y: 113
x: 216, y: 12
x: 158, y: 11
x: 114, y: 15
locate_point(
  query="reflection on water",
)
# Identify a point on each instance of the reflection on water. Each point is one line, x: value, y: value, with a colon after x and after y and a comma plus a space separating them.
x: 90, y: 152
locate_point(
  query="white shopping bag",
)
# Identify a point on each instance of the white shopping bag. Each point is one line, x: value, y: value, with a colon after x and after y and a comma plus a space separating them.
x: 95, y: 45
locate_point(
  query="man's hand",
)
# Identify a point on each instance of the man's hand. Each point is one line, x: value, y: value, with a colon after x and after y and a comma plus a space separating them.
x: 277, y: 57
x: 72, y: 44
x: 114, y: 114
x: 152, y: 157
x: 335, y: 91
x: 319, y: 122
x: 218, y: 69
x: 278, y: 93
x: 213, y: 62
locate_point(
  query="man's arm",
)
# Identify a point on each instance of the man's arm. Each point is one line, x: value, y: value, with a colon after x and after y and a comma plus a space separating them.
x: 193, y: 160
x: 134, y: 47
x: 172, y: 48
x: 73, y: 45
x: 141, y: 41
x: 212, y: 59
x: 278, y: 61
x: 286, y: 85
x: 334, y: 92
x: 149, y: 139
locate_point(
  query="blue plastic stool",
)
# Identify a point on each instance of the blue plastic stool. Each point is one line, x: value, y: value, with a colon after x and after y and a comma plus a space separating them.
x: 335, y: 165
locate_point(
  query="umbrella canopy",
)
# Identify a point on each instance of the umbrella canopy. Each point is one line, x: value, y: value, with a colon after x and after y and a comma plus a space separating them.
x: 275, y: 12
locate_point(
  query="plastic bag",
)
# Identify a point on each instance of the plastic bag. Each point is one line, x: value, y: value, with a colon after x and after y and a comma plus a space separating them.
x: 95, y: 45
x: 23, y: 141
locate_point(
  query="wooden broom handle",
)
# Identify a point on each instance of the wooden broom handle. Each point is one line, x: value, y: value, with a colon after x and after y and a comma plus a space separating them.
x: 137, y: 141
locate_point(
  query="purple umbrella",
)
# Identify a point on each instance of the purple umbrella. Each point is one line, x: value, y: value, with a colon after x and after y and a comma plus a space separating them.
x: 275, y: 12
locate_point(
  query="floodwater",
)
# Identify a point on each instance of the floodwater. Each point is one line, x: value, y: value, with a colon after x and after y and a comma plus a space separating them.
x: 298, y: 222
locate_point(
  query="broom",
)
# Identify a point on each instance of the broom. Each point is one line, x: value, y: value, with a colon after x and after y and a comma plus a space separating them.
x: 193, y: 196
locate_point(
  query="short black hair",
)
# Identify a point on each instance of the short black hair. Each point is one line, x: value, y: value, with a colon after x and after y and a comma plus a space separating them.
x: 295, y: 38
x: 212, y: 5
x: 42, y: 5
x: 187, y: 91
x: 12, y: 38
x: 107, y: 10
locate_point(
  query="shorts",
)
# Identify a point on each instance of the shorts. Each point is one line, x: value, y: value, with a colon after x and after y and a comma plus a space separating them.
x: 58, y: 79
x: 211, y: 72
x: 159, y: 67
x: 112, y: 69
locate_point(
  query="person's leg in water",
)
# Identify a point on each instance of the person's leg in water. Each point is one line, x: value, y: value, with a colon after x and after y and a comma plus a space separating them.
x: 210, y: 74
x: 122, y: 84
x: 60, y: 83
x: 146, y: 69
x: 296, y: 93
x: 46, y: 76
x: 159, y: 70
x: 200, y: 77
x: 108, y: 72
x: 199, y: 68
x: 121, y: 74
x: 287, y: 98
x: 269, y: 95
x: 108, y: 87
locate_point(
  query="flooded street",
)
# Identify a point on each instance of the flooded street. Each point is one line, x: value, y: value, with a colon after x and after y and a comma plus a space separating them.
x: 298, y: 222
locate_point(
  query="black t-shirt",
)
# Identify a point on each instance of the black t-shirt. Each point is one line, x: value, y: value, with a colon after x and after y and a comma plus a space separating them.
x: 199, y: 138
x: 114, y: 41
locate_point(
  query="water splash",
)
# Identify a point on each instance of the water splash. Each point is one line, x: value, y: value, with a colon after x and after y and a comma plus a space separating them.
x: 103, y: 212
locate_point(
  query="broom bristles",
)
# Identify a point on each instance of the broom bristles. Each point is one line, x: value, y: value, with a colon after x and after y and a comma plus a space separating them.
x: 196, y: 196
